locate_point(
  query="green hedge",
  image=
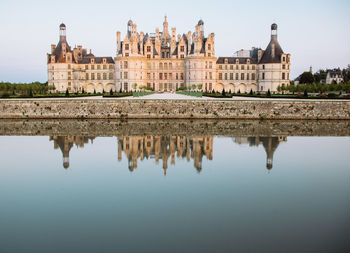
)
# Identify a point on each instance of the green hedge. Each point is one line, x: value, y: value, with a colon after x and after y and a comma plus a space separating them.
x: 53, y: 95
x: 217, y: 95
x: 118, y: 95
x: 142, y: 93
x: 190, y: 93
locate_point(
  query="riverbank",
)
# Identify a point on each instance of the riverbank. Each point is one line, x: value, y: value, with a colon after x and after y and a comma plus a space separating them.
x: 173, y: 109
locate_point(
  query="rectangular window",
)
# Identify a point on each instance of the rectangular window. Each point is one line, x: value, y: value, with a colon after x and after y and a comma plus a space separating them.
x: 182, y: 76
x: 247, y: 76
x: 92, y: 67
x: 283, y: 66
x: 177, y: 76
x: 210, y: 75
x: 126, y: 46
x: 231, y: 76
x: 126, y: 86
x: 125, y: 64
x: 98, y: 66
x: 253, y: 76
x: 225, y: 76
x: 160, y: 76
x: 253, y: 67
x: 263, y: 75
x: 210, y: 65
x: 98, y: 76
x: 220, y: 76
x: 104, y: 66
x: 104, y: 76
x: 87, y: 76
x: 110, y: 76
x: 165, y: 76
x: 125, y: 75
x: 148, y: 49
x: 237, y: 76
x: 237, y: 67
x: 220, y: 66
x: 111, y: 66
x: 92, y: 76
x: 86, y: 66
x: 242, y: 67
x: 283, y: 76
x: 242, y: 76
x: 182, y: 49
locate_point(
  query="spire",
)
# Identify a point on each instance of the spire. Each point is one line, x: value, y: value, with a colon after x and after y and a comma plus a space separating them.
x: 165, y: 25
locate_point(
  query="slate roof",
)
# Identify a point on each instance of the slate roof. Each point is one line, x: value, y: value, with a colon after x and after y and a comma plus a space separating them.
x: 268, y: 56
x: 98, y: 60
x: 232, y: 60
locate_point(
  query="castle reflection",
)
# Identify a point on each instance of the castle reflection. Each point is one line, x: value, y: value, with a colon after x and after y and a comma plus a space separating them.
x: 270, y: 145
x: 65, y: 143
x: 165, y: 148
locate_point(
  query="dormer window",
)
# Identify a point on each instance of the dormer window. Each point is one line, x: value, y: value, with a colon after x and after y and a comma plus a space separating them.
x: 209, y: 46
x: 248, y: 61
x: 237, y: 61
x: 226, y: 61
x: 126, y: 46
x: 104, y: 60
x: 92, y: 60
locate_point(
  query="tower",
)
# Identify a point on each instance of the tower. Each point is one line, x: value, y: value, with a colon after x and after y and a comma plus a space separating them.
x: 201, y: 28
x: 129, y: 29
x: 274, y: 65
x: 62, y: 32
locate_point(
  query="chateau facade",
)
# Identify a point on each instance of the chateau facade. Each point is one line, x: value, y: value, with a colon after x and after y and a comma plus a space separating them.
x: 166, y: 61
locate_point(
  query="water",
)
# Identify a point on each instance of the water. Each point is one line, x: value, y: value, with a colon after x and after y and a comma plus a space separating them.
x: 174, y: 186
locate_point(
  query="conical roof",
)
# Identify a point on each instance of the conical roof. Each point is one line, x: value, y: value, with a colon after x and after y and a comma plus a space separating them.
x: 273, y: 52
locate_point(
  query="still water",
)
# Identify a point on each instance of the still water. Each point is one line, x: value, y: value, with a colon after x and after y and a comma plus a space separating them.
x: 141, y: 187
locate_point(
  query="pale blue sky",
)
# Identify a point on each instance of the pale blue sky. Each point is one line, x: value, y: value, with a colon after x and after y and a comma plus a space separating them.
x: 314, y: 32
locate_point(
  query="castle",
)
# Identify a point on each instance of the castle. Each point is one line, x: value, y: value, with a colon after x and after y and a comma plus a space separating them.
x: 166, y: 61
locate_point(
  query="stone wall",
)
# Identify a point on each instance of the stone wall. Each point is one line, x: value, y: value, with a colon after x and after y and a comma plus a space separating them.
x: 172, y: 109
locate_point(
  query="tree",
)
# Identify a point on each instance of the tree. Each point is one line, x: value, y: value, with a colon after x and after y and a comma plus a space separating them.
x: 268, y: 93
x: 111, y: 92
x: 83, y: 91
x: 199, y: 86
x: 30, y: 93
x: 94, y: 91
x: 223, y: 92
x: 307, y: 78
x: 134, y: 86
x: 103, y: 91
x: 305, y: 93
x: 67, y: 92
x: 251, y: 92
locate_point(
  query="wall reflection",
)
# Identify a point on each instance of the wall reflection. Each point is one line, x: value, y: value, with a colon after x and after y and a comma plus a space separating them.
x: 167, y: 149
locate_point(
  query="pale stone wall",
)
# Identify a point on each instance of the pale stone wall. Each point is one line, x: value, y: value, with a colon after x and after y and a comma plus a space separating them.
x: 76, y: 109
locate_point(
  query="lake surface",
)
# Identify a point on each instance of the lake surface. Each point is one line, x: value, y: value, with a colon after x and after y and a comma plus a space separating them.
x: 171, y: 186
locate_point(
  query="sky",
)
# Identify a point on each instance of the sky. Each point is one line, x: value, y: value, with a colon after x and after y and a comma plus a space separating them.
x: 315, y: 33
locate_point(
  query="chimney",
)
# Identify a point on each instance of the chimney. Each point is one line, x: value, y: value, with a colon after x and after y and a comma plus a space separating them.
x: 118, y: 43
